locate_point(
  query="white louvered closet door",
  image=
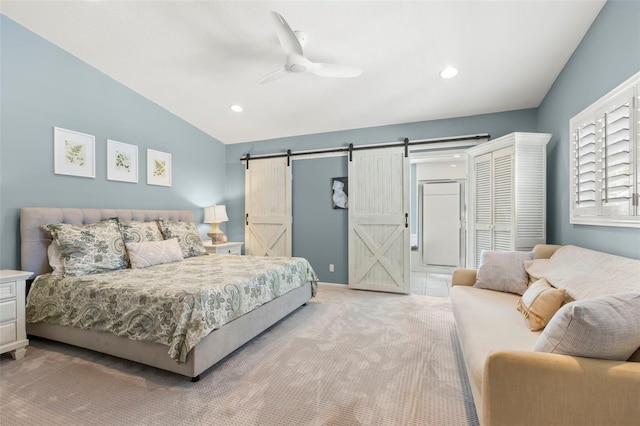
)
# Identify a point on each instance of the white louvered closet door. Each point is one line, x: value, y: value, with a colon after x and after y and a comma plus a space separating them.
x: 508, y: 194
x: 268, y: 208
x: 531, y: 205
x: 503, y: 203
x: 378, y: 220
x: 482, y: 204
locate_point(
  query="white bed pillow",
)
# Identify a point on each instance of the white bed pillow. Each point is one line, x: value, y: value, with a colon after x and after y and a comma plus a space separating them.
x: 503, y: 271
x: 55, y: 258
x: 149, y: 253
x: 605, y: 327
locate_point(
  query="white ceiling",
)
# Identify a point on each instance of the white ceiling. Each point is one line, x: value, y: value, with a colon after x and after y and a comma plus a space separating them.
x: 196, y: 58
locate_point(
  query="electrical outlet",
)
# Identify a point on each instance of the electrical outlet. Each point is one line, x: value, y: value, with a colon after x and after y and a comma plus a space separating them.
x: 331, y: 268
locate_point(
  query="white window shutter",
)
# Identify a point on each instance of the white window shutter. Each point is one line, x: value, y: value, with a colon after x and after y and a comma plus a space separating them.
x: 585, y: 174
x: 605, y: 159
x: 616, y: 160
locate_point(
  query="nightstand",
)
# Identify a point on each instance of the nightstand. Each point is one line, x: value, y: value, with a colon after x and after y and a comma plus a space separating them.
x: 224, y: 248
x: 13, y: 334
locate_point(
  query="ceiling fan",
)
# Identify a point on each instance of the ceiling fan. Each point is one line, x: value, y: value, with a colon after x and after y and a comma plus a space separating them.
x: 292, y: 43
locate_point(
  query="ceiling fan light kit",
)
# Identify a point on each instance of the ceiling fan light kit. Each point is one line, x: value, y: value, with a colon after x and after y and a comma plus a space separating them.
x: 449, y: 72
x: 292, y: 43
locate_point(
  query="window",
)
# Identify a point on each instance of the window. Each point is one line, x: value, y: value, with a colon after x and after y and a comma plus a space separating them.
x: 605, y: 159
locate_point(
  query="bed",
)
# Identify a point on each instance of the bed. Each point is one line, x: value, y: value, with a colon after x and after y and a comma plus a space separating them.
x: 207, y: 337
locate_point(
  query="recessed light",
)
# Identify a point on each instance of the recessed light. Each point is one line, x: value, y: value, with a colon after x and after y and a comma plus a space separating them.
x: 453, y: 165
x: 448, y: 72
x: 236, y: 108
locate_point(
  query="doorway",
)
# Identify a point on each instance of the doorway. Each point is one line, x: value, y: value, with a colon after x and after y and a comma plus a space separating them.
x: 441, y: 223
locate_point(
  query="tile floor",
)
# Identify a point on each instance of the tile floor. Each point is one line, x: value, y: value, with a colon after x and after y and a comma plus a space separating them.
x: 430, y: 284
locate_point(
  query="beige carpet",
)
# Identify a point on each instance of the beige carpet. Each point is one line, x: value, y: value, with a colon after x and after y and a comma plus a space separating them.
x: 347, y: 358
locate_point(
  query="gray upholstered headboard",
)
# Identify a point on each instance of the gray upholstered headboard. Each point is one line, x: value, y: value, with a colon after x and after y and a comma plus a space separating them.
x: 34, y: 241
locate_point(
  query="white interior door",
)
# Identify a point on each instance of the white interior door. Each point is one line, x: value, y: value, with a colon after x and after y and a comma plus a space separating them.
x: 268, y: 208
x: 441, y: 223
x: 378, y: 220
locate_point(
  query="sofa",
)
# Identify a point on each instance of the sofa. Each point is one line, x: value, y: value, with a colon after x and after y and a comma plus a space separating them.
x: 513, y: 384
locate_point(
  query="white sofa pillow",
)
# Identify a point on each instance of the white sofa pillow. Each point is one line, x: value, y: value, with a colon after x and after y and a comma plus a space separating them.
x: 606, y: 327
x: 503, y: 271
x: 151, y: 253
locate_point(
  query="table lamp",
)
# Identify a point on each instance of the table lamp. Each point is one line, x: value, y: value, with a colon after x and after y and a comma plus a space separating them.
x: 215, y: 215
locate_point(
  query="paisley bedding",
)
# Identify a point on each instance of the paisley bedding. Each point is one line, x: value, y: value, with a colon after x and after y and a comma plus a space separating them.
x: 176, y: 304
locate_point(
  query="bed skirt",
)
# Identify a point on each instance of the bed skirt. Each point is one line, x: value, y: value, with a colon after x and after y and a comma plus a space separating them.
x: 211, y: 349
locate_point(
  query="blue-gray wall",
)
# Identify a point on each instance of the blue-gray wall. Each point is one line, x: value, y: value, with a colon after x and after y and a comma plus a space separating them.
x: 319, y: 233
x: 608, y: 55
x: 44, y: 86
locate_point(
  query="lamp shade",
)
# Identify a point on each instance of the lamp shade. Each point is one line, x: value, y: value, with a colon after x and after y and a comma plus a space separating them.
x: 215, y: 214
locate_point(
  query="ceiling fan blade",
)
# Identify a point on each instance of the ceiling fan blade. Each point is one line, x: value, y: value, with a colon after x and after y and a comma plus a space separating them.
x: 333, y: 70
x: 288, y: 40
x: 273, y: 76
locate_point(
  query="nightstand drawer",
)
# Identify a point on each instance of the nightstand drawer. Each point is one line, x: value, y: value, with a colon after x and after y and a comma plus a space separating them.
x: 224, y: 248
x: 8, y: 311
x: 7, y: 290
x: 233, y: 250
x: 8, y: 333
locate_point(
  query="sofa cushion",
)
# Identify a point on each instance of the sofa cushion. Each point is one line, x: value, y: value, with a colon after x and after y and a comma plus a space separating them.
x: 503, y: 271
x: 539, y: 303
x: 606, y: 327
x: 586, y: 273
x: 487, y: 321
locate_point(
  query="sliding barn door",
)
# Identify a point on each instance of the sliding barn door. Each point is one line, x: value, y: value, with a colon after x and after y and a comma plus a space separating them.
x: 378, y: 220
x: 268, y: 208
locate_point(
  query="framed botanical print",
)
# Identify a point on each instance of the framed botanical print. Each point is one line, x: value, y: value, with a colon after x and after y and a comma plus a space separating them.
x: 158, y: 168
x: 73, y: 153
x: 122, y: 162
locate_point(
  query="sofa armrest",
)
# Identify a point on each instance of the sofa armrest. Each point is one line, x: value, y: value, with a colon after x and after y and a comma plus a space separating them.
x: 544, y: 251
x: 533, y: 388
x: 464, y: 277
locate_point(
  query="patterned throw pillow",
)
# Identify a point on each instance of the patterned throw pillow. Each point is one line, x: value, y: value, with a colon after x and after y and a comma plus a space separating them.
x: 503, y: 271
x: 151, y: 253
x: 605, y: 327
x: 89, y: 249
x: 539, y: 303
x: 139, y: 232
x: 187, y: 235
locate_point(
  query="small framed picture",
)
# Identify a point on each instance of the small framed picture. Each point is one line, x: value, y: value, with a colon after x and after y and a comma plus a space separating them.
x: 340, y: 190
x: 122, y: 162
x: 158, y: 168
x: 73, y: 153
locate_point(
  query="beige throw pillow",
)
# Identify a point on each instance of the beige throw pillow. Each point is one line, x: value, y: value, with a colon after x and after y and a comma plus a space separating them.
x: 151, y: 253
x: 605, y: 327
x: 539, y: 303
x: 503, y: 271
